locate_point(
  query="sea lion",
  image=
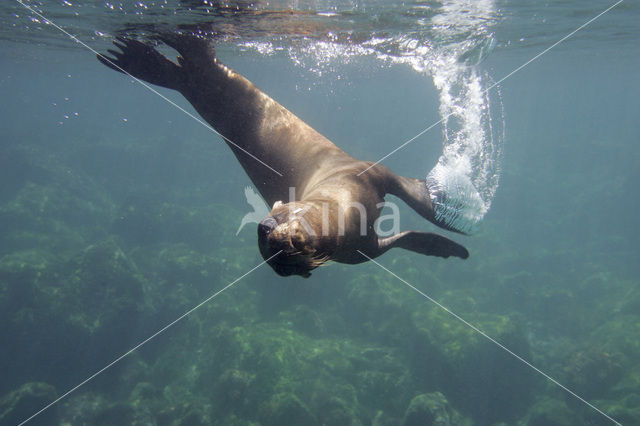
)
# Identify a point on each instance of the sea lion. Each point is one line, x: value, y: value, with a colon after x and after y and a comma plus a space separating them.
x: 324, y: 209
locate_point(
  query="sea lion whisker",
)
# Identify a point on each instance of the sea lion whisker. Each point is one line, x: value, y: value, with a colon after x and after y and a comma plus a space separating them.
x: 319, y: 260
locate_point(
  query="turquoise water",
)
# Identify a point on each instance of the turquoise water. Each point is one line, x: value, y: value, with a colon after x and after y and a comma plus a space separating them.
x: 118, y: 214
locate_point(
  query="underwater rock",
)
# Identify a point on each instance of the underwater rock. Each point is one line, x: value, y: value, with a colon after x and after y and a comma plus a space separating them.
x: 62, y: 308
x: 477, y: 376
x: 382, y: 419
x: 431, y: 409
x: 630, y: 304
x: 25, y: 312
x: 119, y: 413
x: 24, y: 402
x: 101, y: 292
x: 625, y: 410
x: 177, y: 278
x: 621, y: 334
x: 551, y: 412
x: 147, y: 400
x: 305, y: 320
x: 21, y: 274
x: 100, y: 410
x: 56, y: 217
x: 185, y: 415
x: 383, y: 383
x: 594, y: 371
x: 286, y: 409
x: 231, y: 388
x: 270, y: 372
x: 146, y: 405
x: 374, y: 308
x: 621, y: 401
x: 337, y: 412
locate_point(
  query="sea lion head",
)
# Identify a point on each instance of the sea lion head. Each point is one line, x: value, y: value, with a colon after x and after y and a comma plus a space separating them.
x: 289, y: 229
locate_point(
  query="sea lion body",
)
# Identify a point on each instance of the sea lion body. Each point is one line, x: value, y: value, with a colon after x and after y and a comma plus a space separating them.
x: 324, y: 207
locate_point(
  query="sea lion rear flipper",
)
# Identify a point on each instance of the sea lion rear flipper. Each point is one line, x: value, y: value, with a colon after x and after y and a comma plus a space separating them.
x: 196, y: 52
x: 143, y: 62
x: 426, y: 243
x: 417, y: 194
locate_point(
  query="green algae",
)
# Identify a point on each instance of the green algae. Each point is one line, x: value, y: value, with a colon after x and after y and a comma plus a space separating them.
x: 432, y: 409
x: 20, y: 404
x: 551, y: 412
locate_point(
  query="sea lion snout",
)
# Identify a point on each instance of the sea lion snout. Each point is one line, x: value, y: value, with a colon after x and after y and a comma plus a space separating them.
x: 274, y: 236
x: 283, y: 234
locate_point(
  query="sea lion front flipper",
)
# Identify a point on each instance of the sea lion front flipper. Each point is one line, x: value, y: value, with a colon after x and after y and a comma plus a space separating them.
x: 143, y: 62
x: 426, y: 243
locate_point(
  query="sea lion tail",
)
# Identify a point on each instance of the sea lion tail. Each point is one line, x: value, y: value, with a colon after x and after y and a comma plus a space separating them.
x: 144, y: 62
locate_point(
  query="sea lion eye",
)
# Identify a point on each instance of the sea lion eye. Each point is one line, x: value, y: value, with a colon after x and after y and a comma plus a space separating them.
x: 266, y: 226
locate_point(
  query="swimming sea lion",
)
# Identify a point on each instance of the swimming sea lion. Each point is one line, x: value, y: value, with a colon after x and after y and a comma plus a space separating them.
x: 331, y: 208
